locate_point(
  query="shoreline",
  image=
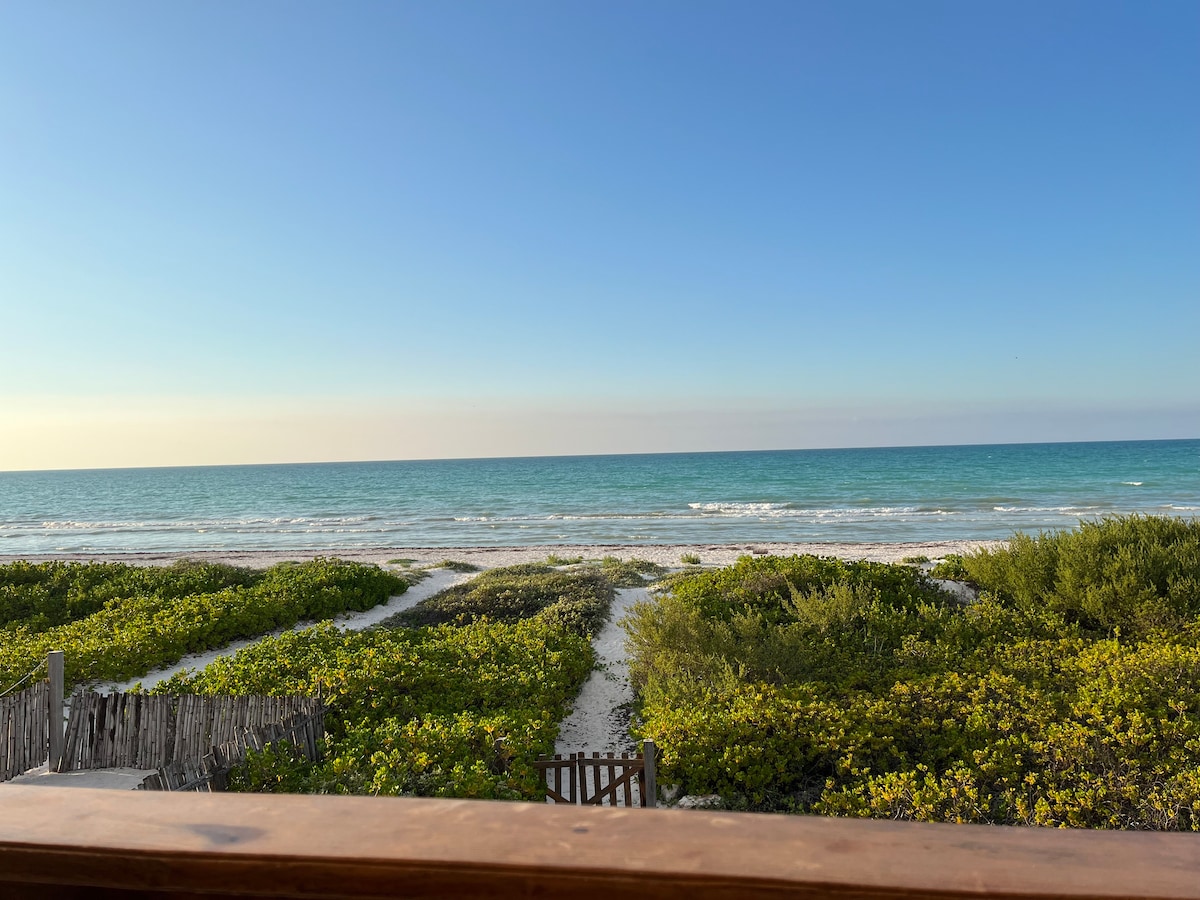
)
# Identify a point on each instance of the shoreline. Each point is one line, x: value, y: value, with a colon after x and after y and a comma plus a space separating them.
x: 668, y: 555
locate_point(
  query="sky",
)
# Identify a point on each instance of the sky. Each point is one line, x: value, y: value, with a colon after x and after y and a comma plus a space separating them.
x: 297, y: 231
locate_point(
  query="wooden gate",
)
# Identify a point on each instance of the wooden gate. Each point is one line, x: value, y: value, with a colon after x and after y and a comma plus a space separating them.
x: 595, y: 780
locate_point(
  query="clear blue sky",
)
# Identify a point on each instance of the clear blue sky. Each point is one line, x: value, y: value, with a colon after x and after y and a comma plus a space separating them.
x: 273, y: 231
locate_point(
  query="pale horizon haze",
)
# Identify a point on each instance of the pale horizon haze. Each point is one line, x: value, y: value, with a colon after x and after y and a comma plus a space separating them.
x: 300, y: 232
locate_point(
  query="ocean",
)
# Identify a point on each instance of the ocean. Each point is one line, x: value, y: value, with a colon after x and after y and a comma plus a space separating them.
x: 877, y: 494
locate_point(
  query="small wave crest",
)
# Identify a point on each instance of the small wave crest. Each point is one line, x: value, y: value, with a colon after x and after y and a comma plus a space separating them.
x: 788, y: 511
x: 276, y: 524
x: 737, y: 508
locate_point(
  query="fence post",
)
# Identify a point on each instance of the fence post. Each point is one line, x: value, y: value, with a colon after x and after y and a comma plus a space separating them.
x: 54, y: 662
x: 649, y: 751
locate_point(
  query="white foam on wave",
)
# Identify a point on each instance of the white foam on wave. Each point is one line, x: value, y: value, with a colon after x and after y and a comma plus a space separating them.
x: 709, y: 511
x: 1134, y: 483
x: 277, y: 523
x: 735, y: 507
x: 786, y: 511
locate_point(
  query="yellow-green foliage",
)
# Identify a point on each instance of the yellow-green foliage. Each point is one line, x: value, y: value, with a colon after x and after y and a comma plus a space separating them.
x: 579, y: 599
x: 415, y: 711
x: 630, y: 573
x: 1134, y: 572
x: 160, y: 619
x: 42, y: 595
x: 854, y: 693
x: 459, y: 709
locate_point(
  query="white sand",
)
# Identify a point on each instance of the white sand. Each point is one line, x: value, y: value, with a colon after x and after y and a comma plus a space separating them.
x: 123, y: 779
x: 489, y: 557
x: 600, y: 718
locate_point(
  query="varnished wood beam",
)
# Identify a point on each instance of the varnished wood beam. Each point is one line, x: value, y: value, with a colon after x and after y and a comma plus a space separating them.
x: 69, y: 842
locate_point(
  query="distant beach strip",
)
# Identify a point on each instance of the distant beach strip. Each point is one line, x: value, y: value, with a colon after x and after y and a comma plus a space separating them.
x: 667, y: 555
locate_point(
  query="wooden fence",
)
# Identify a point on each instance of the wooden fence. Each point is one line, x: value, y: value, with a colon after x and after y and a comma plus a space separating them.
x: 24, y: 730
x: 625, y: 780
x: 148, y: 731
x: 302, y: 731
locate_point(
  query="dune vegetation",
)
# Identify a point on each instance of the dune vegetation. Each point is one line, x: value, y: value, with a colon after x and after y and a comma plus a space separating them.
x: 455, y: 697
x: 115, y: 622
x: 1066, y: 695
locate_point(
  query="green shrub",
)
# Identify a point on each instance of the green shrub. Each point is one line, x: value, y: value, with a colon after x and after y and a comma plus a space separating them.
x: 1135, y: 573
x: 629, y: 573
x: 518, y: 592
x: 765, y: 584
x: 443, y: 711
x: 459, y: 705
x: 130, y: 636
x: 950, y: 568
x: 456, y: 566
x: 799, y: 685
x: 44, y: 595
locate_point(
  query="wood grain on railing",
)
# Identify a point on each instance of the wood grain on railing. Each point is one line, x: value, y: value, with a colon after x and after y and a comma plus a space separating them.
x: 68, y: 843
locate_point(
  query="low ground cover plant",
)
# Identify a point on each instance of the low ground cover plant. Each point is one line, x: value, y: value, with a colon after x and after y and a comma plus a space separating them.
x: 456, y: 566
x: 43, y: 595
x: 119, y: 622
x: 449, y: 710
x: 630, y: 573
x: 579, y: 599
x: 1065, y: 696
x: 459, y: 701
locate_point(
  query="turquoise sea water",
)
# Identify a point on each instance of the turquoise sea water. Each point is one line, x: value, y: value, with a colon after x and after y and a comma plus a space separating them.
x: 882, y: 494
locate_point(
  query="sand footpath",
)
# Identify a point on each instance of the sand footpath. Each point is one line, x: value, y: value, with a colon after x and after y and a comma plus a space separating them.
x: 599, y: 719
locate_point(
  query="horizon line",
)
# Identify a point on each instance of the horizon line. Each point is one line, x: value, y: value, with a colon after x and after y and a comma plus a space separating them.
x: 422, y: 459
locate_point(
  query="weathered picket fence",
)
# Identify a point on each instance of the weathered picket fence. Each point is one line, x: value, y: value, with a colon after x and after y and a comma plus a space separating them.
x: 26, y: 737
x: 187, y: 737
x: 625, y: 780
x: 302, y: 731
x: 24, y: 730
x: 152, y: 731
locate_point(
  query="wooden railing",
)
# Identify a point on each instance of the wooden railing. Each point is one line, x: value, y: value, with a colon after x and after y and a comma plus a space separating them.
x: 69, y: 842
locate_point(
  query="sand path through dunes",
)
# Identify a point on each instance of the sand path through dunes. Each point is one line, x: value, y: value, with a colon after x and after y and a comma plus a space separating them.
x: 600, y: 719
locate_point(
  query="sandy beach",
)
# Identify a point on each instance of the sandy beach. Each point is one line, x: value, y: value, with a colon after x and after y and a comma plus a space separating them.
x: 490, y: 557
